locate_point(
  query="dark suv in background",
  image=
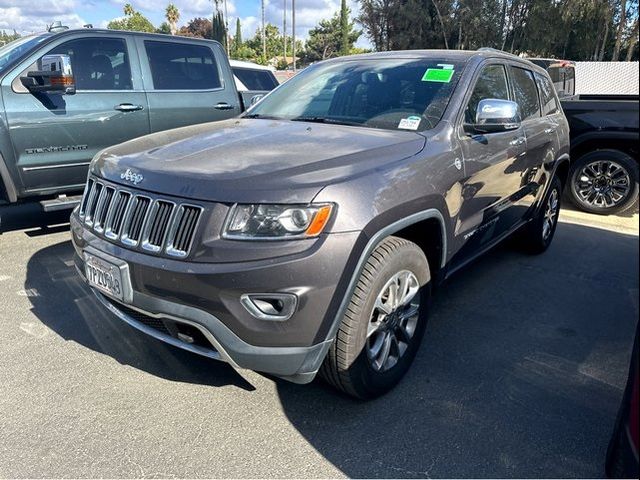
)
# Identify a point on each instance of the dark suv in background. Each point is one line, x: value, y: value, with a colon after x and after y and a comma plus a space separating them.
x: 307, y: 235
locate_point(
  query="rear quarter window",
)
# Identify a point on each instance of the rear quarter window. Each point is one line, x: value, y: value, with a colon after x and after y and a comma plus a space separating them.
x: 180, y: 66
x: 525, y: 92
x: 547, y: 96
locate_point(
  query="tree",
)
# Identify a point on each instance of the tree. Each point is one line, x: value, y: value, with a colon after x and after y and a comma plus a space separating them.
x: 219, y: 31
x: 326, y: 40
x: 172, y: 14
x: 164, y: 28
x: 344, y: 29
x: 633, y: 39
x: 237, y: 38
x: 133, y: 21
x: 198, y: 28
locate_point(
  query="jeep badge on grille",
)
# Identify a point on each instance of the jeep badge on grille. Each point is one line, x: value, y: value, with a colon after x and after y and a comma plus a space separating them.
x: 130, y: 176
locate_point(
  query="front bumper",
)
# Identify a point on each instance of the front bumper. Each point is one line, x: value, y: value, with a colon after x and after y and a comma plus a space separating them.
x: 175, y: 294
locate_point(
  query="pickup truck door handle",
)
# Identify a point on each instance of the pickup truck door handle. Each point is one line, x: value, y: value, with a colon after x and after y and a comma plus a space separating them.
x: 128, y: 107
x: 517, y: 141
x: 223, y: 106
x: 549, y: 130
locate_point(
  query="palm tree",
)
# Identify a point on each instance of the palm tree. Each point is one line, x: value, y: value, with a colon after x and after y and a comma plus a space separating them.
x: 128, y: 10
x: 172, y: 15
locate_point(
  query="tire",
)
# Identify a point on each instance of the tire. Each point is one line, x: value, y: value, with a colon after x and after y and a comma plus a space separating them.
x: 604, y: 182
x: 536, y: 237
x: 352, y: 365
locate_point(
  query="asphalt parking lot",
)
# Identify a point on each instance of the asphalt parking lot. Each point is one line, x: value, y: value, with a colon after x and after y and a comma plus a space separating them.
x: 520, y: 375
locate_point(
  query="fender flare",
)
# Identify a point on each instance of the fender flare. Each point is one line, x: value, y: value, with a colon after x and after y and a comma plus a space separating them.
x: 7, y: 181
x: 603, y: 134
x: 368, y: 249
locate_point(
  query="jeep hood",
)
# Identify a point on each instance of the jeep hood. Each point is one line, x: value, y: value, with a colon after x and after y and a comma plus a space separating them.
x: 252, y: 160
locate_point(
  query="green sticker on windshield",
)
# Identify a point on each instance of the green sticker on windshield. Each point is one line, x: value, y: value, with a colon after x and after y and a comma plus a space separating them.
x: 438, y: 75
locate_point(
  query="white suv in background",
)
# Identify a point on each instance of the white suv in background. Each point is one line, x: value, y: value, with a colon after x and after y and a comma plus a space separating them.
x: 252, y: 80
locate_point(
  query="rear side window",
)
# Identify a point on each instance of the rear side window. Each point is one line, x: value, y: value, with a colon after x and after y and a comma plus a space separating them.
x: 255, y: 79
x: 98, y: 63
x: 525, y: 93
x: 180, y: 66
x: 547, y: 97
x: 492, y: 83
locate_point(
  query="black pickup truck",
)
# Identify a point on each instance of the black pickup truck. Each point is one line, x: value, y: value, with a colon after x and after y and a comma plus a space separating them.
x: 604, y: 143
x: 604, y: 152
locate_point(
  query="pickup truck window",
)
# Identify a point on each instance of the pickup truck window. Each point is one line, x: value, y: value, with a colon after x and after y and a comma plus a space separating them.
x: 547, y: 97
x: 525, y: 93
x: 180, y: 66
x: 255, y: 79
x: 389, y: 94
x: 492, y: 83
x: 98, y: 63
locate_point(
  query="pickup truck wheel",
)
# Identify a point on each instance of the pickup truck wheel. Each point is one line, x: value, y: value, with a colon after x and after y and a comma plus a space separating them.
x: 604, y: 182
x: 538, y: 234
x: 384, y: 322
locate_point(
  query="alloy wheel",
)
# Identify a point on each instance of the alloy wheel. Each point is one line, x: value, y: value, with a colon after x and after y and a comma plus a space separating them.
x: 603, y: 184
x: 550, y: 214
x: 393, y: 321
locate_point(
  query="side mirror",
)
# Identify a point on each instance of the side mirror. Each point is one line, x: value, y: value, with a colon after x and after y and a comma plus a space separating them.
x: 55, y: 76
x: 495, y: 115
x: 255, y: 99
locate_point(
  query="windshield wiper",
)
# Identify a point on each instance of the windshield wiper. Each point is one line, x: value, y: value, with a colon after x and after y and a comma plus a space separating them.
x: 332, y: 121
x: 260, y: 115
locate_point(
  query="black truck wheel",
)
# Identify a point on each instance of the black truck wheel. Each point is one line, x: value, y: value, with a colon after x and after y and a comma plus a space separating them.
x: 384, y: 322
x: 604, y: 182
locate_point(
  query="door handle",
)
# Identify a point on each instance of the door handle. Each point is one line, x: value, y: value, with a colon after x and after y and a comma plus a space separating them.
x: 517, y: 141
x: 128, y: 107
x: 549, y: 130
x: 224, y: 106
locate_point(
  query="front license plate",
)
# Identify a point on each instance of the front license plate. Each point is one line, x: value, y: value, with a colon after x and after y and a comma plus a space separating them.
x: 104, y: 276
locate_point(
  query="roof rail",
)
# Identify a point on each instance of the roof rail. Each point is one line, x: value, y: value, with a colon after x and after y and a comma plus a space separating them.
x: 496, y: 50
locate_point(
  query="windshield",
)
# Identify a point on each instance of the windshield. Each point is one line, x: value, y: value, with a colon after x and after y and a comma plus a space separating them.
x: 392, y: 94
x: 15, y: 49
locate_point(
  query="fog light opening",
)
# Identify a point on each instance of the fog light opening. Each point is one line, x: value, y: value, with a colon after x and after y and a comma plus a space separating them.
x: 270, y: 306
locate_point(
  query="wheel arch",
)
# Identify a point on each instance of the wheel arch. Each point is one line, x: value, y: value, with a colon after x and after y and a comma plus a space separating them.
x: 410, y: 224
x: 8, y: 190
x: 625, y: 142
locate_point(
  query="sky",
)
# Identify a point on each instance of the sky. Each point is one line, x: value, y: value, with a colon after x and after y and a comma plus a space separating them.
x: 28, y: 16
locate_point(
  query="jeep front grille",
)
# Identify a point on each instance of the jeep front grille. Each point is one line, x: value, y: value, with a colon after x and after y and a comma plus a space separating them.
x: 139, y: 221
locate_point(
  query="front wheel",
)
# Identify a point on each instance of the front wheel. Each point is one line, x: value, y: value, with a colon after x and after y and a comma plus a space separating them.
x: 604, y: 182
x: 384, y: 322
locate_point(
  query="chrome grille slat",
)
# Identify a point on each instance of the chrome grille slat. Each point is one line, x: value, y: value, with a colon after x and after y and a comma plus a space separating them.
x: 115, y: 218
x: 155, y: 225
x: 94, y: 198
x: 103, y: 208
x: 85, y: 197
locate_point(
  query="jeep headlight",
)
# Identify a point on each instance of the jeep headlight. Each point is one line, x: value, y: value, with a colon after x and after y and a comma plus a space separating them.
x: 276, y: 222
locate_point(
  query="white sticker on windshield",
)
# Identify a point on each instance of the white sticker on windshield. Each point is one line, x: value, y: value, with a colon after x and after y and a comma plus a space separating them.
x: 446, y: 66
x: 410, y: 123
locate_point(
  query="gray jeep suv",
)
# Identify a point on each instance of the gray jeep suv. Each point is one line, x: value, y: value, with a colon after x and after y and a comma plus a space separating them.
x: 307, y: 235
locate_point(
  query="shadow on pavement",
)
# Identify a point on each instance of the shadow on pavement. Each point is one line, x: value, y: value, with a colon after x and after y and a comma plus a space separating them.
x: 67, y: 306
x: 520, y: 373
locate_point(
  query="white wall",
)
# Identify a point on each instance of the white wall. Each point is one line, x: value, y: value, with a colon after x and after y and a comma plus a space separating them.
x: 607, y: 78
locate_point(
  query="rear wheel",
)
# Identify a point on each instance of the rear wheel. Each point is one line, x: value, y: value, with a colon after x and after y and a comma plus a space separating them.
x: 384, y: 322
x: 604, y: 182
x: 538, y: 234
